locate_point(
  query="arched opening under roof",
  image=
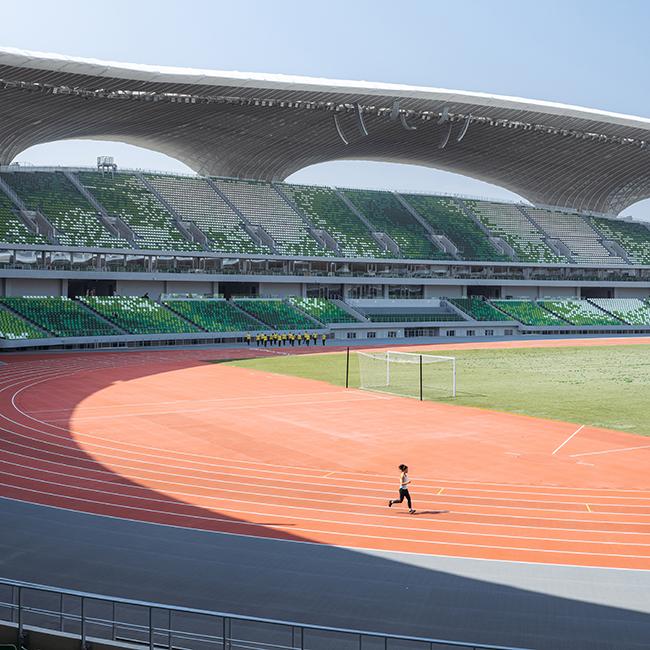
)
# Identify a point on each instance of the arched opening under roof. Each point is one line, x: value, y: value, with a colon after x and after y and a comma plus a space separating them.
x: 83, y: 153
x: 401, y: 177
x: 639, y: 210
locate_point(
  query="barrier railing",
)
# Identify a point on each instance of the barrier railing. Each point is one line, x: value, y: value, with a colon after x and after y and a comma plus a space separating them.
x: 96, y: 618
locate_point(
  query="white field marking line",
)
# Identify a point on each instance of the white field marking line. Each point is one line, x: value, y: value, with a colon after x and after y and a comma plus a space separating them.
x: 609, y: 451
x: 101, y: 459
x: 220, y: 497
x: 437, y: 502
x: 210, y: 531
x: 293, y: 491
x: 133, y: 458
x: 309, y: 484
x: 293, y: 529
x: 355, y: 524
x: 578, y: 430
x: 270, y: 464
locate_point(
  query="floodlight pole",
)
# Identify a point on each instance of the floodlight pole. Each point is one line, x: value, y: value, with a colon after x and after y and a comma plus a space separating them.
x: 420, y: 377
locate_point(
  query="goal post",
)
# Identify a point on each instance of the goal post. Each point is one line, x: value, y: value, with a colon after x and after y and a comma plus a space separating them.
x: 407, y: 373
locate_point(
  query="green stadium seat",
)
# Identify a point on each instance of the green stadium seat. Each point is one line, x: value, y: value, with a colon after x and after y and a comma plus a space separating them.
x: 194, y: 200
x: 62, y: 316
x: 326, y: 210
x: 323, y: 310
x: 447, y: 218
x: 139, y: 315
x: 13, y: 327
x: 264, y: 207
x: 214, y: 315
x: 75, y: 221
x: 528, y: 312
x: 125, y: 196
x: 633, y: 237
x: 580, y: 312
x: 278, y: 314
x: 479, y: 309
x: 630, y: 310
x: 12, y: 228
x: 391, y: 217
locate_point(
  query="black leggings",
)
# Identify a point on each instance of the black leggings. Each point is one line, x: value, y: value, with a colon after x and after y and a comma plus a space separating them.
x: 404, y: 494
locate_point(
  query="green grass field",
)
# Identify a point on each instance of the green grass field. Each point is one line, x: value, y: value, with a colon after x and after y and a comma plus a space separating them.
x: 605, y: 386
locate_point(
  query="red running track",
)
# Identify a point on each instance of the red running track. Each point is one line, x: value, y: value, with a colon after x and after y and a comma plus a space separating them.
x: 165, y: 437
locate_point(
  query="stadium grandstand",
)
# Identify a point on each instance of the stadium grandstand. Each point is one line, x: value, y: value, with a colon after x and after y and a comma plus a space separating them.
x: 110, y: 257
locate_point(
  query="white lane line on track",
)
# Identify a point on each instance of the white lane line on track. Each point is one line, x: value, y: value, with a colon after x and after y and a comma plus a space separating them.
x: 576, y: 432
x: 293, y: 529
x: 220, y: 496
x: 271, y: 464
x: 239, y: 512
x: 293, y: 491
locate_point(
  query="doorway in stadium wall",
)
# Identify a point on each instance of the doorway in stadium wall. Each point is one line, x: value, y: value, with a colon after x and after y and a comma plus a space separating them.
x: 91, y: 287
x: 238, y: 289
x: 486, y: 292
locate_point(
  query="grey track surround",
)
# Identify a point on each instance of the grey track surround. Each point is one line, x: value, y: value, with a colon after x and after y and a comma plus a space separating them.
x: 267, y: 126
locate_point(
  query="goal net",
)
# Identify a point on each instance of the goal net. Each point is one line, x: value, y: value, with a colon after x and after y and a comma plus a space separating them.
x: 424, y: 376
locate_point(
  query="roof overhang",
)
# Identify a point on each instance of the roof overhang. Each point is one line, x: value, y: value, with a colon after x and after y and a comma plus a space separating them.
x: 268, y: 126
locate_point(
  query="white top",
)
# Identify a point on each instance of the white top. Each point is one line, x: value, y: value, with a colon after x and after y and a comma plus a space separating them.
x: 404, y: 481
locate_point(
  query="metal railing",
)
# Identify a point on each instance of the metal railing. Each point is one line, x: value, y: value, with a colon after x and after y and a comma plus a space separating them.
x: 96, y: 618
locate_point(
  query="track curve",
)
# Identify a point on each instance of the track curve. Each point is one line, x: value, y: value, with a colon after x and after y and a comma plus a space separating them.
x: 164, y: 437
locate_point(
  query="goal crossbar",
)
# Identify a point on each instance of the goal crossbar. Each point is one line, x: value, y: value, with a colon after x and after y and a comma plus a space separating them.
x: 375, y: 371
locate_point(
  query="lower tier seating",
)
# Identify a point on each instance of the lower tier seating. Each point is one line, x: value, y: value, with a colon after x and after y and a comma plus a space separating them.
x: 13, y: 327
x: 630, y: 310
x: 139, y: 315
x: 61, y: 316
x: 323, y: 310
x: 214, y: 315
x: 276, y: 313
x: 580, y: 312
x: 479, y: 309
x: 528, y: 312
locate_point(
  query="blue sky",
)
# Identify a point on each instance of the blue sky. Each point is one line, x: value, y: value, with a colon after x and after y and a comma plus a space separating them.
x: 586, y: 52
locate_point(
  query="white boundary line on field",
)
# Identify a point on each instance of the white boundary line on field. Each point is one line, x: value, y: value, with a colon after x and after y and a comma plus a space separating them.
x: 578, y: 430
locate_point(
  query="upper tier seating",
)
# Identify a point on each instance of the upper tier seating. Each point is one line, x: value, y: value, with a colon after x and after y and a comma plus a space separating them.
x: 13, y: 327
x: 630, y: 310
x: 74, y: 219
x: 214, y: 315
x: 61, y: 316
x: 326, y: 210
x: 125, y: 196
x: 277, y: 314
x: 528, y: 312
x: 12, y: 228
x: 391, y: 217
x: 323, y: 310
x: 579, y: 312
x: 633, y: 237
x: 413, y: 317
x: 508, y: 222
x: 263, y: 206
x: 576, y: 234
x: 194, y: 200
x: 448, y: 218
x: 479, y: 309
x: 138, y: 315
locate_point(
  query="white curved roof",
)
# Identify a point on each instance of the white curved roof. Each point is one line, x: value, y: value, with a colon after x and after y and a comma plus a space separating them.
x: 255, y: 125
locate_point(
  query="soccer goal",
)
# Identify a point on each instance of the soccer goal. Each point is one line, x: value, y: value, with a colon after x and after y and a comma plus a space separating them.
x: 408, y: 373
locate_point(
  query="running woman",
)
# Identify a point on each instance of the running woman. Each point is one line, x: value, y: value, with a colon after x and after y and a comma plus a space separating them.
x: 404, y: 481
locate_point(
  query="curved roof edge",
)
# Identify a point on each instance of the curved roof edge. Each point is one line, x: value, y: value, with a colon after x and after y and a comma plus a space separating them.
x: 167, y: 74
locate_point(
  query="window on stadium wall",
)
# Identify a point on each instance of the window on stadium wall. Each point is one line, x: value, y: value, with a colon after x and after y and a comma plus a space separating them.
x: 406, y: 291
x: 358, y: 291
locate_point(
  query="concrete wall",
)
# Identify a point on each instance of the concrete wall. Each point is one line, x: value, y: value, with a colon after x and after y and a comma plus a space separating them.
x: 39, y: 287
x: 280, y: 289
x: 558, y: 292
x: 140, y: 287
x: 520, y: 292
x: 445, y: 291
x: 631, y: 292
x: 192, y: 287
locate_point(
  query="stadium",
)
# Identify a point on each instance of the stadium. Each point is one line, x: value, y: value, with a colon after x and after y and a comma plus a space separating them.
x: 207, y: 378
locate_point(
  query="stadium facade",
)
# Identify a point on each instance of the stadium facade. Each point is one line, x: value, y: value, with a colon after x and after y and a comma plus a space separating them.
x: 344, y: 262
